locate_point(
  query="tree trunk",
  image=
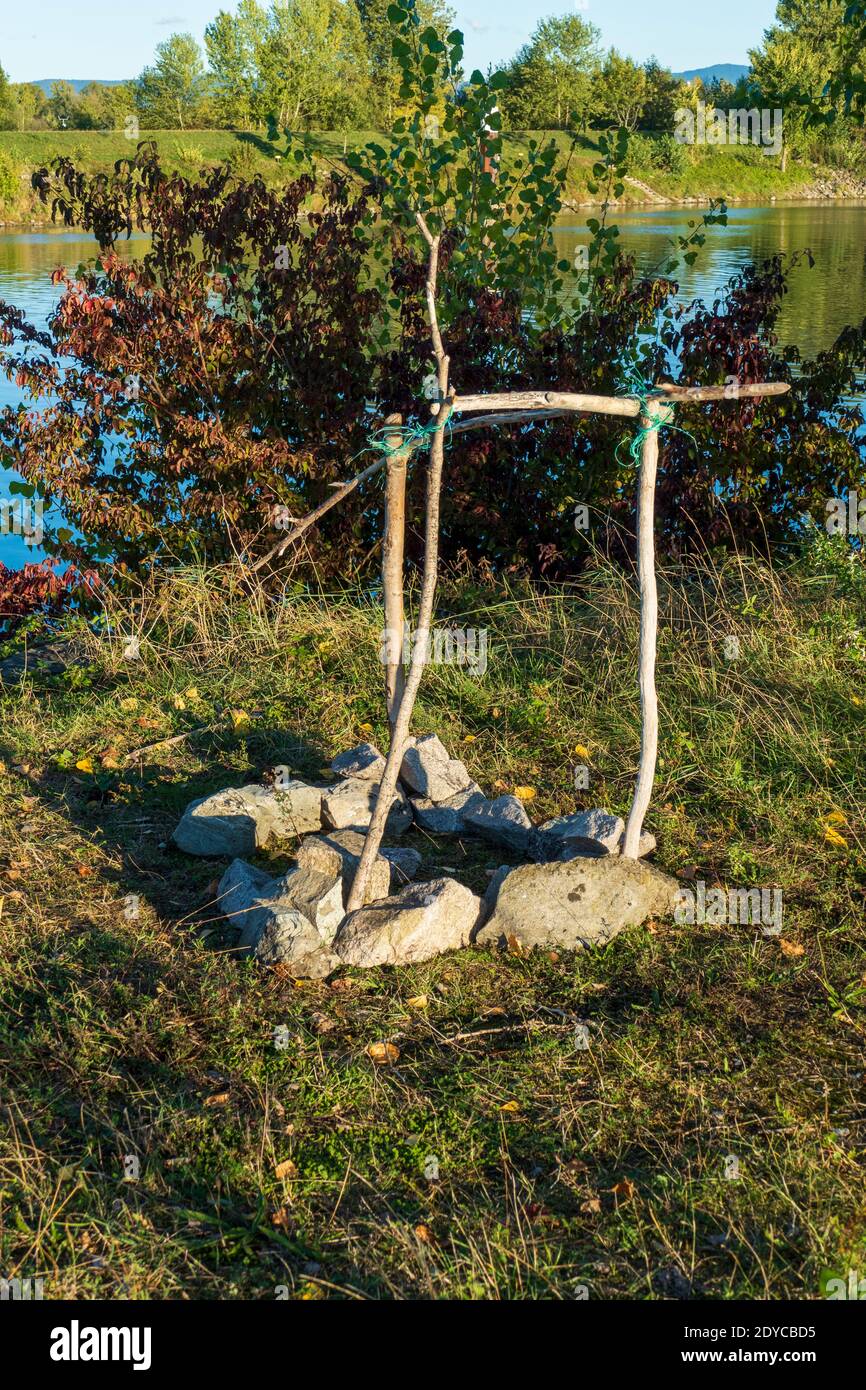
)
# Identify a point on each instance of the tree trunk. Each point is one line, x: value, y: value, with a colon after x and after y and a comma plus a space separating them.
x: 392, y: 570
x: 648, y: 633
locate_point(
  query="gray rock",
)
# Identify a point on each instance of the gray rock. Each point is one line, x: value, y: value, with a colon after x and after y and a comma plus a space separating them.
x: 421, y: 921
x: 581, y: 902
x: 340, y: 852
x: 232, y: 822
x: 593, y: 832
x: 488, y: 902
x: 446, y: 817
x: 503, y: 821
x: 365, y: 762
x: 429, y: 771
x: 349, y: 805
x: 405, y: 864
x: 298, y: 808
x: 646, y: 843
x: 274, y: 928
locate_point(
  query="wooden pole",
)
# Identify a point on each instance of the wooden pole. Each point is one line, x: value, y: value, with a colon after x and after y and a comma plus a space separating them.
x: 649, y: 621
x: 421, y: 645
x: 393, y: 542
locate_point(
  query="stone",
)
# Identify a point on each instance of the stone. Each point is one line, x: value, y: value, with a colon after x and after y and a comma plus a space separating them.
x: 576, y: 903
x: 298, y: 808
x: 277, y: 917
x: 488, y: 902
x: 428, y: 770
x: 240, y: 820
x: 593, y: 832
x: 645, y: 845
x: 504, y: 821
x: 349, y: 805
x: 232, y: 822
x: 340, y: 851
x: 446, y: 817
x: 405, y: 864
x: 423, y: 920
x: 365, y: 761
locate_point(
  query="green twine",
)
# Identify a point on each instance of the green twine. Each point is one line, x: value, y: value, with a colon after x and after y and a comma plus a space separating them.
x: 642, y: 389
x: 378, y: 440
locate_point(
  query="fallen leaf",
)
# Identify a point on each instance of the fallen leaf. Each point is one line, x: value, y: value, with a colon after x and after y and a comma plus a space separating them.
x: 128, y: 705
x: 85, y: 764
x: 525, y: 793
x: 591, y: 1205
x: 366, y: 728
x: 791, y: 948
x: 220, y: 1098
x: 178, y: 702
x: 470, y: 738
x: 192, y: 693
x: 418, y: 1001
x: 84, y: 871
x: 511, y: 1106
x: 832, y: 837
x: 286, y: 1169
x: 835, y: 818
x: 624, y: 1189
x: 500, y: 786
x: 424, y: 1234
x: 239, y: 718
x: 383, y: 1052
x: 581, y: 751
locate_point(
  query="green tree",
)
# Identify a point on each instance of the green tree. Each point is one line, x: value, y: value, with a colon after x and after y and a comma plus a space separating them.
x: 173, y: 93
x: 63, y: 111
x: 620, y: 91
x: 550, y: 80
x: 234, y: 44
x: 664, y: 95
x: 385, y: 72
x: 314, y: 64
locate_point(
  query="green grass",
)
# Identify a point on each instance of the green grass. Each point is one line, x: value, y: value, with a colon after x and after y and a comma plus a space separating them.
x: 558, y: 1167
x: 711, y: 172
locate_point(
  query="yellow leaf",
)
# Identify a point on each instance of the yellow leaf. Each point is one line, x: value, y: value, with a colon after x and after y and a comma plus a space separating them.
x: 835, y: 818
x: 424, y: 1234
x: 511, y: 1106
x: 287, y: 1169
x: 525, y: 793
x: 383, y: 1052
x: 192, y: 693
x: 418, y: 1001
x: 855, y: 700
x: 85, y: 764
x: 500, y: 786
x: 239, y: 717
x: 791, y: 948
x: 221, y: 1098
x: 581, y: 751
x: 129, y: 704
x: 366, y: 728
x: 470, y: 738
x: 832, y: 837
x: 178, y: 702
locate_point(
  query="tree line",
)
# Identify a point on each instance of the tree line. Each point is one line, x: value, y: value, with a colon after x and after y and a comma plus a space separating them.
x: 329, y: 64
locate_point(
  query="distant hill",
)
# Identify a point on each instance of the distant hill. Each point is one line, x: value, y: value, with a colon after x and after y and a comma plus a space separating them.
x: 46, y: 83
x: 726, y: 72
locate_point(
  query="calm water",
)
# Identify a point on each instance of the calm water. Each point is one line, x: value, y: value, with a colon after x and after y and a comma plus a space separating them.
x: 820, y: 302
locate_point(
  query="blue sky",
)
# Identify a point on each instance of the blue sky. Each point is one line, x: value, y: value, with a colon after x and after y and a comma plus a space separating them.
x: 116, y: 38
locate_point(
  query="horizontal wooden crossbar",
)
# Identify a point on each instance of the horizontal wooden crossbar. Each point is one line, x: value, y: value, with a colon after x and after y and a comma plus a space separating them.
x: 610, y: 405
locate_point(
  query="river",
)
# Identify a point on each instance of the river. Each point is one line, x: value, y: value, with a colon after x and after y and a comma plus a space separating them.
x: 820, y: 302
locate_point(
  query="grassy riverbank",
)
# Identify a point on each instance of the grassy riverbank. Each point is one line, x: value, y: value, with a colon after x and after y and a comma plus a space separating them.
x: 739, y: 173
x: 139, y: 1032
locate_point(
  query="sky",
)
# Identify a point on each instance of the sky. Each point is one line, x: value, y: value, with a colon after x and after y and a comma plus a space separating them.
x: 103, y: 39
